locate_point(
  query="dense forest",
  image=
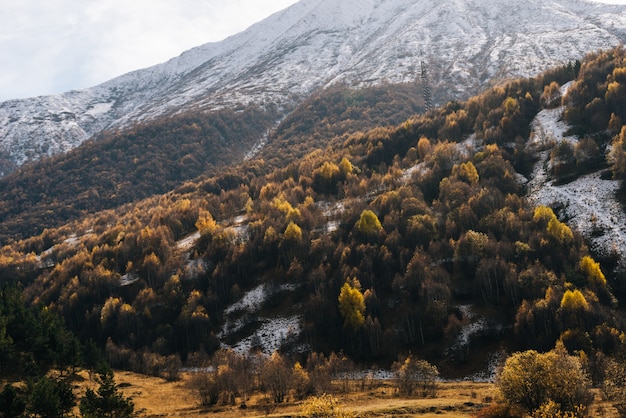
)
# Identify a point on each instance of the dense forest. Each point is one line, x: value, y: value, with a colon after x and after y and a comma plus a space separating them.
x: 381, y: 235
x: 123, y: 167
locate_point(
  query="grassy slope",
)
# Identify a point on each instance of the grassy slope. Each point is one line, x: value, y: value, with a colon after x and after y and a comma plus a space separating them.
x: 156, y: 397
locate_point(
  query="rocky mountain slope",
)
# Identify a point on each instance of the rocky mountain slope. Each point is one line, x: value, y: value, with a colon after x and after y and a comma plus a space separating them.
x: 314, y: 43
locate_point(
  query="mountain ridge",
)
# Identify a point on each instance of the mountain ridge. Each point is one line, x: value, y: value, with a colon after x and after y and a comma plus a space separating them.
x: 312, y: 44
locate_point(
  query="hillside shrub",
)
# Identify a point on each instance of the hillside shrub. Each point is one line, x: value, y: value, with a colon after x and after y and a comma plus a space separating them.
x: 531, y: 380
x: 415, y: 376
x: 325, y: 406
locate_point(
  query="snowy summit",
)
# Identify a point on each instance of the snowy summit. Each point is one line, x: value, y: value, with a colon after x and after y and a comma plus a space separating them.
x: 466, y: 45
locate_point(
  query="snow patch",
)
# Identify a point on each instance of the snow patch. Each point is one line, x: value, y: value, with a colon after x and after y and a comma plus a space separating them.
x: 188, y: 242
x: 128, y: 279
x: 273, y: 333
x: 251, y: 301
x: 271, y: 336
x: 99, y: 109
x: 589, y: 202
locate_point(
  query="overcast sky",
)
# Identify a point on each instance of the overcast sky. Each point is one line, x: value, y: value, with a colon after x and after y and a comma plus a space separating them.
x: 53, y: 46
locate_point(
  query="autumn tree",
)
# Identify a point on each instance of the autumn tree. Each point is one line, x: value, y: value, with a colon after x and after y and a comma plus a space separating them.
x: 615, y: 96
x: 150, y: 269
x: 368, y: 223
x: 551, y: 95
x: 276, y: 376
x: 617, y: 155
x: 593, y: 273
x: 319, y: 372
x: 531, y: 379
x: 193, y: 324
x: 542, y: 215
x: 614, y: 385
x: 415, y: 376
x: 466, y: 172
x: 574, y: 300
x: 293, y: 232
x: 205, y: 223
x: 325, y: 406
x: 352, y: 304
x: 345, y: 168
x: 325, y: 178
x: 233, y: 374
x: 230, y: 375
x: 559, y: 231
x: 423, y: 147
x: 301, y: 381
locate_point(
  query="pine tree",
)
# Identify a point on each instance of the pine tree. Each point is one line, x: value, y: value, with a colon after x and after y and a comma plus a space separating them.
x: 107, y: 401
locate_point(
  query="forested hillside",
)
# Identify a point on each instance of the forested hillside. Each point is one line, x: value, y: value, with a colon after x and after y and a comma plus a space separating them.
x: 127, y: 166
x: 378, y: 242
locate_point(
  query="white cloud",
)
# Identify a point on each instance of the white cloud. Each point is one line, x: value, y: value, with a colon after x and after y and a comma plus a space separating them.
x: 51, y: 47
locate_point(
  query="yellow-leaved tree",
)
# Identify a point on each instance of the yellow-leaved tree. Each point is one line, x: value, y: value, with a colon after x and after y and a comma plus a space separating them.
x: 325, y: 406
x: 368, y: 223
x: 205, y: 223
x: 591, y: 270
x: 574, y: 300
x: 293, y: 232
x: 352, y: 304
x: 545, y: 216
x: 466, y: 172
x: 534, y: 380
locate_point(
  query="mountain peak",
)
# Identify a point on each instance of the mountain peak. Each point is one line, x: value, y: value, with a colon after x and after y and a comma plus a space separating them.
x: 315, y: 43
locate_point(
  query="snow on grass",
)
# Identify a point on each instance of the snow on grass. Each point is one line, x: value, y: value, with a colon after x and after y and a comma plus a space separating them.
x: 475, y: 325
x: 188, y: 242
x: 417, y: 169
x: 591, y: 209
x: 128, y: 279
x: 271, y: 336
x: 273, y: 333
x: 589, y: 202
x: 251, y: 301
x: 490, y: 373
x: 548, y: 127
x: 99, y: 108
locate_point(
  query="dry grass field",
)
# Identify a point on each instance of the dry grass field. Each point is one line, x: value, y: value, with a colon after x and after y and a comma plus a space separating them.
x: 155, y: 397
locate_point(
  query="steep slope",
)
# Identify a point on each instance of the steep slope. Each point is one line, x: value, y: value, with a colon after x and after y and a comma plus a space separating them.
x: 314, y: 43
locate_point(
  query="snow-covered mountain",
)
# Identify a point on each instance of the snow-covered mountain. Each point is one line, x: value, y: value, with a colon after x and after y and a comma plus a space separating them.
x: 466, y: 45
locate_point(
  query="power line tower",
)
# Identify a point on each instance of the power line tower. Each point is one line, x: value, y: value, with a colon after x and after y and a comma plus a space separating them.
x: 426, y: 91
